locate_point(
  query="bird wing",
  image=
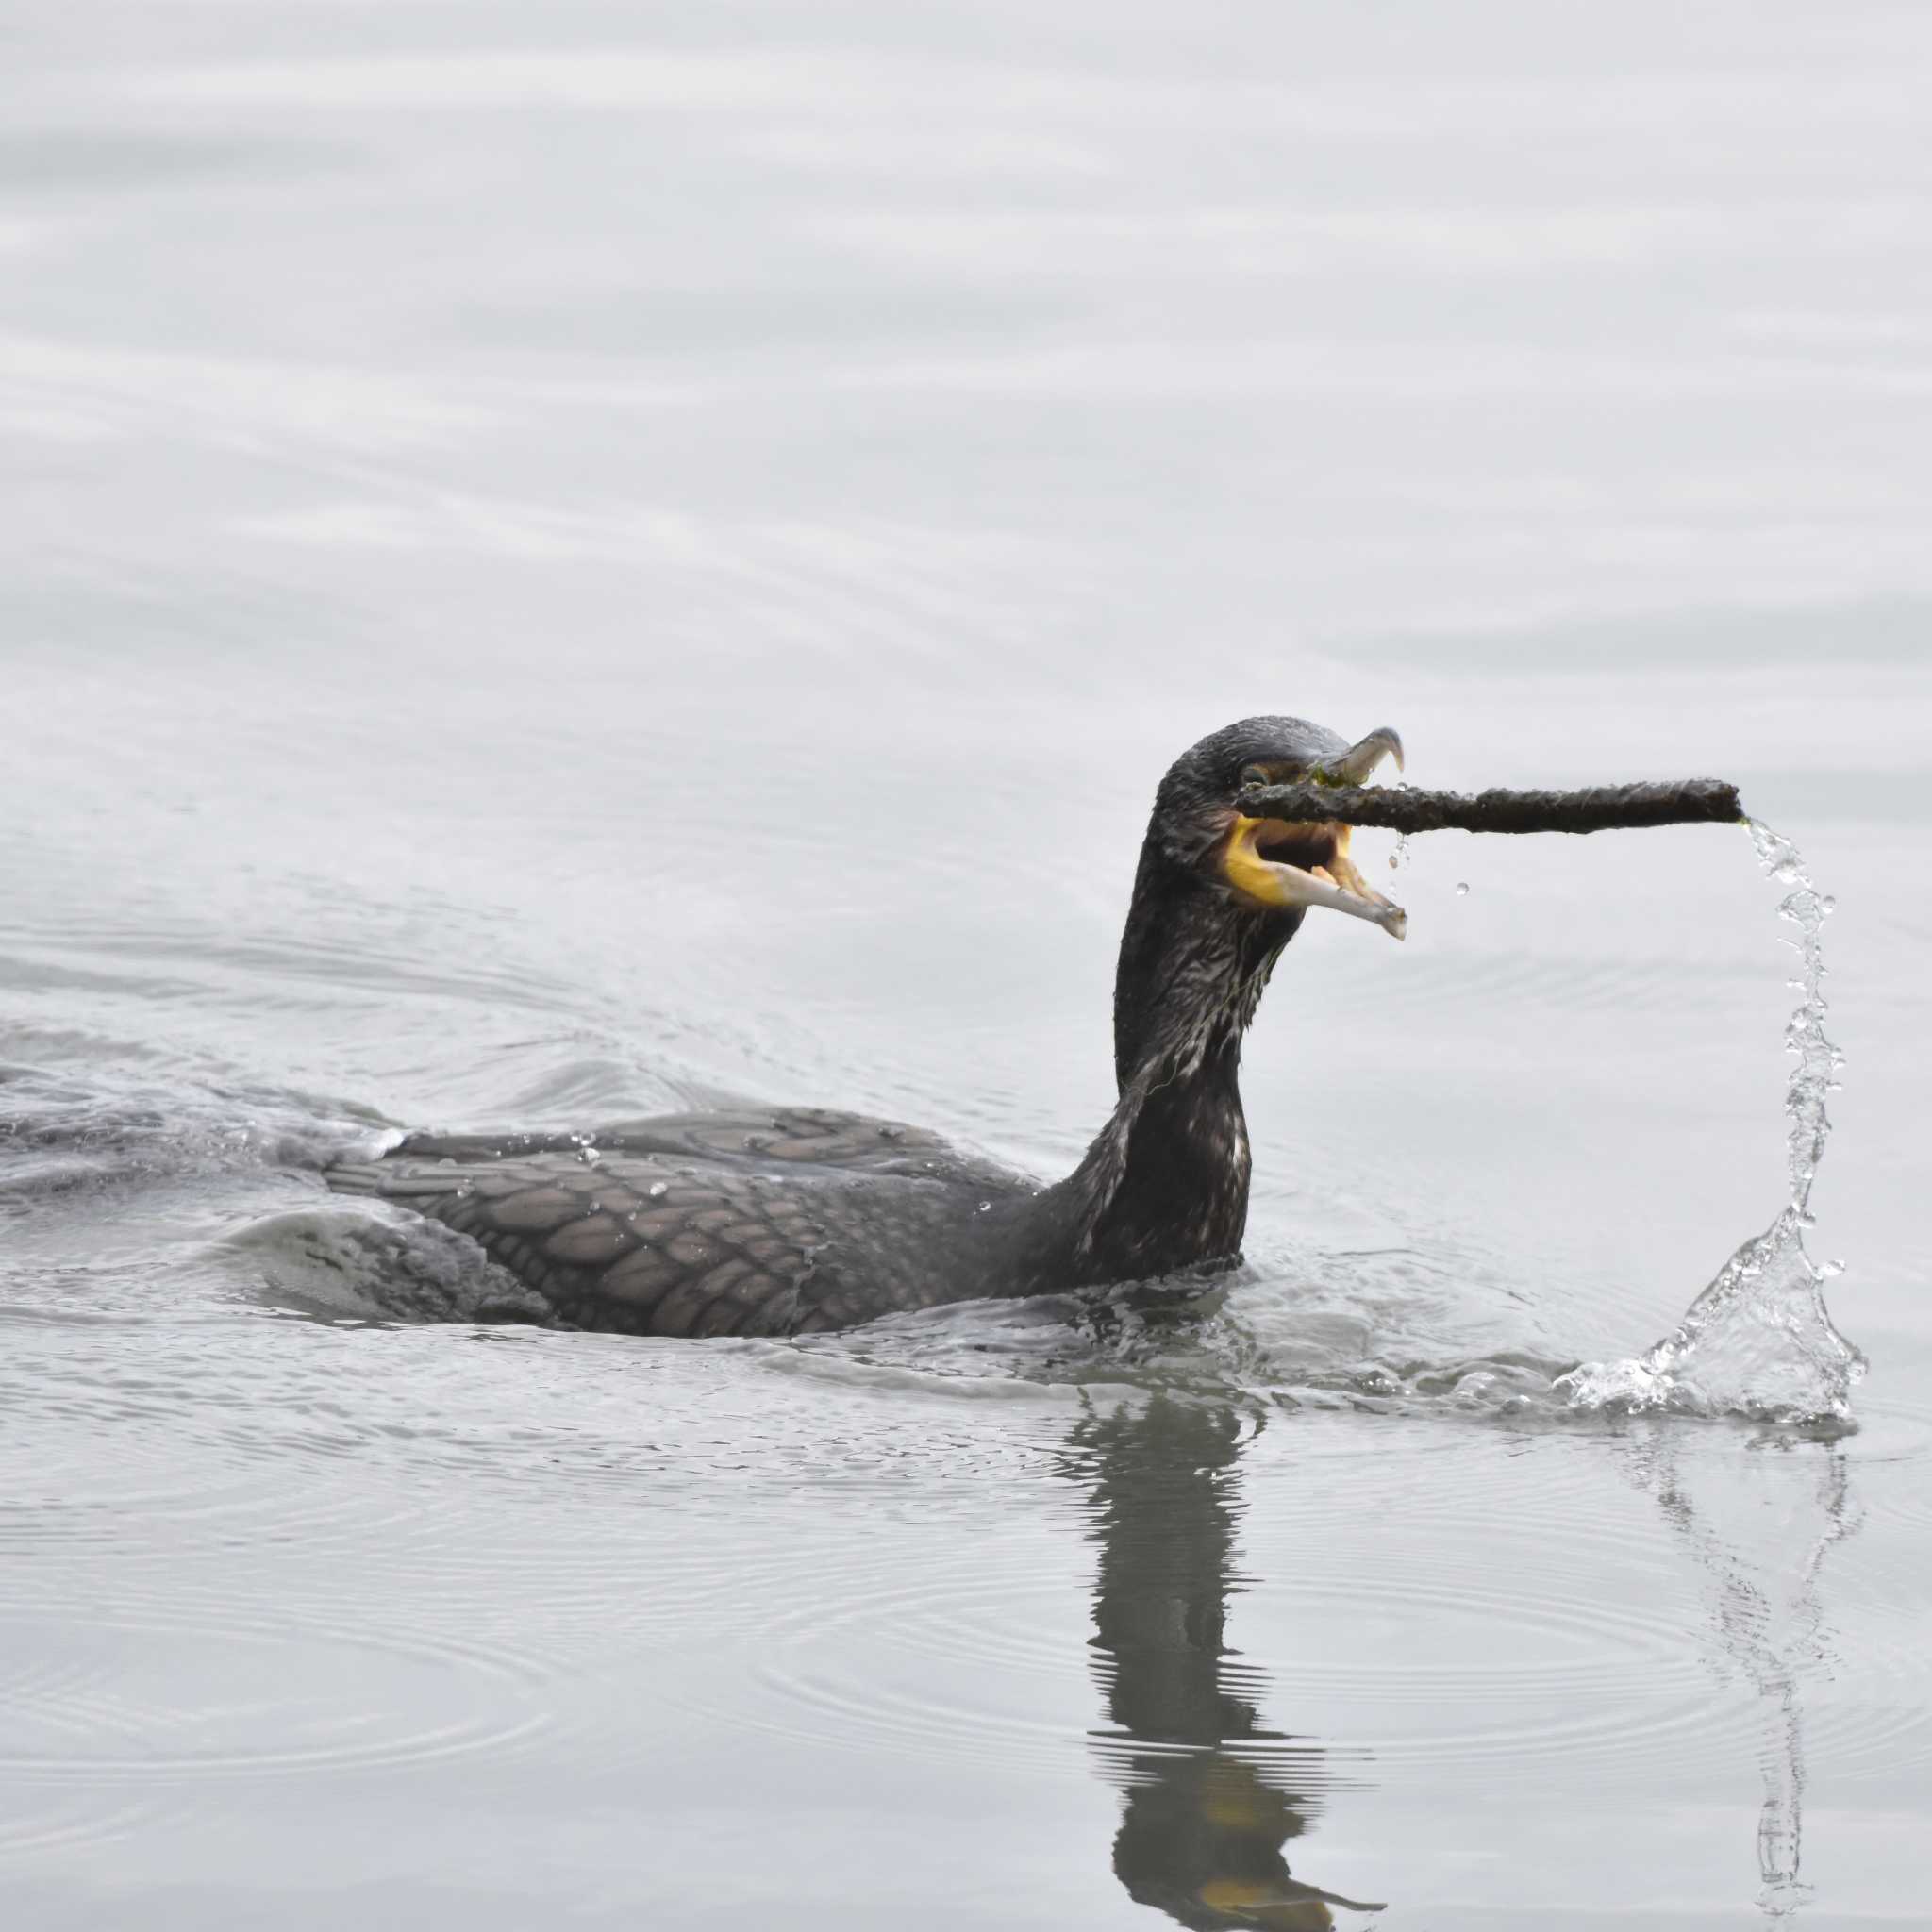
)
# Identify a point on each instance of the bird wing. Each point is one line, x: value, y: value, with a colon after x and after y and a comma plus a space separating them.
x: 627, y: 1244
x: 766, y: 1224
x: 750, y: 1138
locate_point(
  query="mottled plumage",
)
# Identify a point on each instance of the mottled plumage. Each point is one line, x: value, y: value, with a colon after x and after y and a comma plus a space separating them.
x: 788, y: 1221
x: 753, y: 1223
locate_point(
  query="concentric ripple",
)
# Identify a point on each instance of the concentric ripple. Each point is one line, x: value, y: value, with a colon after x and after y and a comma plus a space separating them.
x: 131, y: 1700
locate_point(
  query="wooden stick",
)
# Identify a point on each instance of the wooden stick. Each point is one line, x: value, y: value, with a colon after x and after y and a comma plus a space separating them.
x: 1596, y: 808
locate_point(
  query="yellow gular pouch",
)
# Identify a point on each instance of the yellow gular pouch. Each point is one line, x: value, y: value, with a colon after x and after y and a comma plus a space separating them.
x: 1277, y: 866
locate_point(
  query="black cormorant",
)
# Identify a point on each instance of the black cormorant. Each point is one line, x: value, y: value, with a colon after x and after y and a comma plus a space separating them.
x: 783, y: 1222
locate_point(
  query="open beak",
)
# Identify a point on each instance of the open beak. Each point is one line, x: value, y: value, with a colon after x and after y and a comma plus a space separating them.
x: 1274, y: 864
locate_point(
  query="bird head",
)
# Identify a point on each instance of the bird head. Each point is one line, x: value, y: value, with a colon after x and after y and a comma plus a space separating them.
x: 1271, y: 868
x: 1219, y: 893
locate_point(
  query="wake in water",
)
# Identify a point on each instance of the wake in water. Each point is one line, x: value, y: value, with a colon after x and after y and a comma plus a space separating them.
x: 1759, y: 1342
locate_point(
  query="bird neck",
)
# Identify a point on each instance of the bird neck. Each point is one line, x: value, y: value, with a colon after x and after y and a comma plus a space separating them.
x: 1165, y: 1184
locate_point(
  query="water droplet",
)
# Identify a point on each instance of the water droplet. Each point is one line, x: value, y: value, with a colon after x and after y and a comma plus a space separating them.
x: 658, y: 1190
x: 588, y: 1154
x: 596, y: 1207
x: 1462, y: 889
x: 985, y: 1207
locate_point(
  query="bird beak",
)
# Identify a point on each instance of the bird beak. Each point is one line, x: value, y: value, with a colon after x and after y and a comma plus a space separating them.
x: 1356, y: 765
x: 1273, y: 863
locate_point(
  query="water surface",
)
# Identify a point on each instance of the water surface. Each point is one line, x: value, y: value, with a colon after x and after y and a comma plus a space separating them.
x: 556, y: 570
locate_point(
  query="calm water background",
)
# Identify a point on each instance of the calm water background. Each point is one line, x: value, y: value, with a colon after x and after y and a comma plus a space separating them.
x: 555, y: 565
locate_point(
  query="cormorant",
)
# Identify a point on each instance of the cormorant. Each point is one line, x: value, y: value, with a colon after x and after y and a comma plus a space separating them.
x: 789, y: 1221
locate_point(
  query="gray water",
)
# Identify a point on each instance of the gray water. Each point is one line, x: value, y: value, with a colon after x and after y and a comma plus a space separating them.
x: 561, y: 564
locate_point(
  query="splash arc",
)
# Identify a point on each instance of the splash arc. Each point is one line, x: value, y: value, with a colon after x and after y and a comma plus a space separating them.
x: 1759, y: 1340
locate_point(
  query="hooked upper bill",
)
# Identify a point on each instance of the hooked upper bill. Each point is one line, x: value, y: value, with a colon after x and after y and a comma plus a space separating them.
x: 1282, y: 865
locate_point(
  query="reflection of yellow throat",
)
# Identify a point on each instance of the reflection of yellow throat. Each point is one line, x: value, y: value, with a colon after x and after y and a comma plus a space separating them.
x: 1264, y: 1905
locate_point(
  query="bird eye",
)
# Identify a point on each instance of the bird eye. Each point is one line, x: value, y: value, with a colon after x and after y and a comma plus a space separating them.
x: 1254, y: 774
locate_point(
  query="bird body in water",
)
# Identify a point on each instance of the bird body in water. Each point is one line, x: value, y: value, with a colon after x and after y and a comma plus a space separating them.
x: 795, y: 1220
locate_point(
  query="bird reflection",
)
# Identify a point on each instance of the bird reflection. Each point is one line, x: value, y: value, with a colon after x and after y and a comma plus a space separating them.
x: 1211, y: 1795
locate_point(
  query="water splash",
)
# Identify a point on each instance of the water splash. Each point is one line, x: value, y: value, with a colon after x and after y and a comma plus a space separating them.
x: 1759, y: 1340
